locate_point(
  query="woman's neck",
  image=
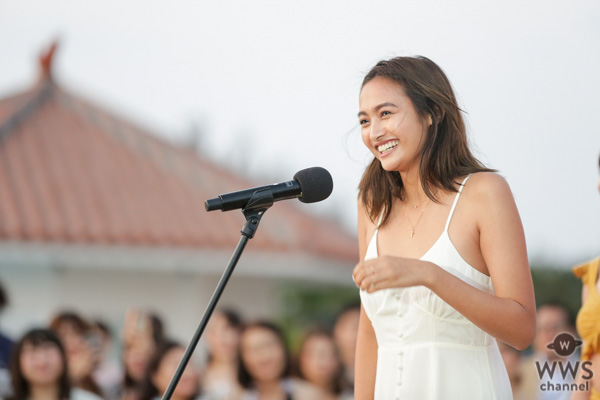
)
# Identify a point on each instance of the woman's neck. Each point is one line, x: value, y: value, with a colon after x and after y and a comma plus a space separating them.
x: 219, y: 371
x: 41, y: 392
x: 270, y: 390
x: 223, y: 364
x: 325, y: 386
x: 413, y: 190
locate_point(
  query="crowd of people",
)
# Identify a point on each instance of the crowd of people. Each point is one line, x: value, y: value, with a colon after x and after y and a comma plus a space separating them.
x: 246, y: 360
x: 73, y: 358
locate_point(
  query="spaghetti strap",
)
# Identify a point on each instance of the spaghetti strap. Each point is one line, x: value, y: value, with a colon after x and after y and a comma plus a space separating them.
x: 455, y: 201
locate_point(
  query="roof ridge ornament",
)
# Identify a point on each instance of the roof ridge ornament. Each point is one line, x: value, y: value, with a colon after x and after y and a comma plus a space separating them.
x: 46, y: 59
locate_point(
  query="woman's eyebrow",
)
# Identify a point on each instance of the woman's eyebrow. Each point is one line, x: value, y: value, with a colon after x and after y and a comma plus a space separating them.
x: 377, y: 108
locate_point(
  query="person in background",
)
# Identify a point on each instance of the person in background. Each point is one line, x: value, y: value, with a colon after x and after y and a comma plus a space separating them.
x: 552, y: 318
x: 108, y: 372
x: 512, y: 362
x: 142, y: 332
x: 81, y: 346
x: 162, y: 367
x: 6, y: 346
x: 219, y: 379
x: 39, y: 369
x: 319, y: 363
x: 588, y: 323
x: 345, y: 332
x: 265, y: 367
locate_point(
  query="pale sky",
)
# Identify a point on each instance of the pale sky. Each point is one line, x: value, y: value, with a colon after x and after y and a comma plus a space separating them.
x: 273, y: 87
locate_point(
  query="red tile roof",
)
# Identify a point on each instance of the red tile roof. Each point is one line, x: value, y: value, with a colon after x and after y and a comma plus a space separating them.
x: 71, y: 172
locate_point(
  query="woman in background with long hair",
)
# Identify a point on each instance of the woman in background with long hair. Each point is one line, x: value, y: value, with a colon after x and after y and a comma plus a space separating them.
x: 161, y: 369
x: 265, y: 367
x: 219, y: 379
x: 39, y: 369
x: 319, y: 363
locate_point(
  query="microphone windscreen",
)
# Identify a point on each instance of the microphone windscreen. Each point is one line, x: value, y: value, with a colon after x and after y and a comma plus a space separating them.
x: 316, y: 184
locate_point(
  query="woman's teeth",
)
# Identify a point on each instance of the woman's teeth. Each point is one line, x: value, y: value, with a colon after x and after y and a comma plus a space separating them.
x: 387, y: 146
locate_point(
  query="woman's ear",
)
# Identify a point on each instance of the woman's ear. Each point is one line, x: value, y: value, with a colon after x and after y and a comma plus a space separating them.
x: 438, y: 113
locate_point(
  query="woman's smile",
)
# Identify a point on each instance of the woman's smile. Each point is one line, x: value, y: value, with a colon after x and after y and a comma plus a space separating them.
x: 387, y: 147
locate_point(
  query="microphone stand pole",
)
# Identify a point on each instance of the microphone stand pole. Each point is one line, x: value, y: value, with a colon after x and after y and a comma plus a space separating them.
x: 259, y: 203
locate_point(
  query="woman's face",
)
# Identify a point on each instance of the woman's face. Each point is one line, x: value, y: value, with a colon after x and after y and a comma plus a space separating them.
x: 42, y: 364
x: 139, y: 344
x: 345, y: 334
x: 391, y: 128
x: 223, y: 339
x: 135, y: 359
x: 262, y: 354
x: 319, y: 360
x: 71, y: 337
x: 188, y: 384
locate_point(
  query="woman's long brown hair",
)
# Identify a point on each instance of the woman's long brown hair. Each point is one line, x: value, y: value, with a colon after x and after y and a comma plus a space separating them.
x: 445, y: 155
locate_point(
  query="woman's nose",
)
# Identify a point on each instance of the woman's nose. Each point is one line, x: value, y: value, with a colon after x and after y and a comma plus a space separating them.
x: 377, y: 130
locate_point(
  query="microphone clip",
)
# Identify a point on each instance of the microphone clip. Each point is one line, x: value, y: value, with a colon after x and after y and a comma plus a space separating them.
x: 260, y: 202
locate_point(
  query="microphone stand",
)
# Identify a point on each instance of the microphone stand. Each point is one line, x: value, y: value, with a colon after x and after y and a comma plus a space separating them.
x: 260, y: 202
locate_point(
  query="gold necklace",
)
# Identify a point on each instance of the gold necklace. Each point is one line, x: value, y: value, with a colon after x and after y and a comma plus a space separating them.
x: 412, y: 226
x: 417, y: 205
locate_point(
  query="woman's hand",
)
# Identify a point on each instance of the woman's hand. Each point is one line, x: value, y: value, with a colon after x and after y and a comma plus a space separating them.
x: 387, y: 272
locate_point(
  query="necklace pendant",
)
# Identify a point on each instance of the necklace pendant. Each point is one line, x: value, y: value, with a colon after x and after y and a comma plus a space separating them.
x: 412, y: 232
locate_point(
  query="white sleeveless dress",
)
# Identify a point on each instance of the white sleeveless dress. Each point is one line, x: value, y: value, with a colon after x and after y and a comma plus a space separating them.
x: 426, y: 349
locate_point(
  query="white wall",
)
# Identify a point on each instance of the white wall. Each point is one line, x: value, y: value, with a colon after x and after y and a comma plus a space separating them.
x: 179, y: 298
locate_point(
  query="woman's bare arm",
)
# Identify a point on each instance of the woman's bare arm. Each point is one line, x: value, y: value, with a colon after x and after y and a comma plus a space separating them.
x: 366, y: 344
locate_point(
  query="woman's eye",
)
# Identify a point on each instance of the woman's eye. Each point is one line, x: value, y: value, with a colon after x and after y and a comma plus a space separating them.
x: 363, y: 121
x: 384, y: 113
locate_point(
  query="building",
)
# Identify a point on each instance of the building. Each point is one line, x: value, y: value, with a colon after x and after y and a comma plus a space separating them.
x: 97, y: 215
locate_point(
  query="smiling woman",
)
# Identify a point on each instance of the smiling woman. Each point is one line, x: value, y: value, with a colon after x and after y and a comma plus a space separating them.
x: 441, y: 279
x: 265, y: 367
x: 39, y: 369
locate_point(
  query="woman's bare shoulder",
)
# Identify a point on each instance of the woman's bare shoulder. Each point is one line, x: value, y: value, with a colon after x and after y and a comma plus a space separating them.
x: 486, y: 187
x: 362, y: 207
x: 364, y: 219
x: 487, y: 180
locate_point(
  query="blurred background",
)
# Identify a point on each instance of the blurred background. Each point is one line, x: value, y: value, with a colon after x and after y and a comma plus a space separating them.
x: 118, y: 119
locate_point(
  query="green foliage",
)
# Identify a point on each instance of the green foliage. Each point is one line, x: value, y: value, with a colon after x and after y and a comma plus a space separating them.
x: 304, y: 306
x: 557, y: 285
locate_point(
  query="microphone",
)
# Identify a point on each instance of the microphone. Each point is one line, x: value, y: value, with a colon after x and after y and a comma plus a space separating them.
x: 309, y: 186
